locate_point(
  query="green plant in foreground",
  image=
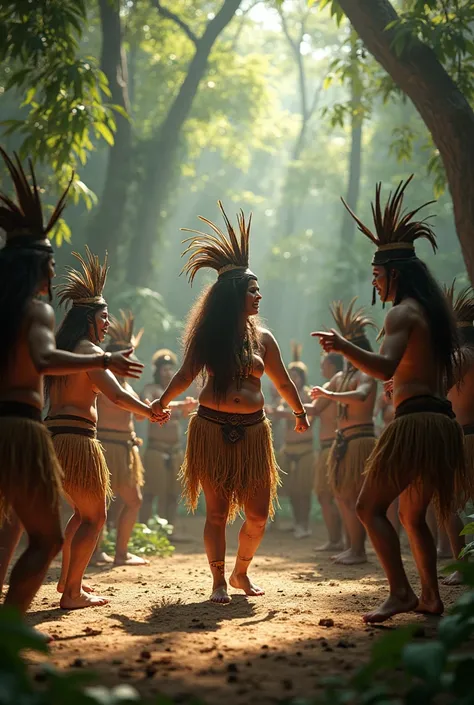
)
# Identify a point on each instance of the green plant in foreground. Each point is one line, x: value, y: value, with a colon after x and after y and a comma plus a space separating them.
x: 150, y: 539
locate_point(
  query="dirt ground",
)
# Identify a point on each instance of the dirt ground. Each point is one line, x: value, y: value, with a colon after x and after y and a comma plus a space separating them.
x: 160, y: 634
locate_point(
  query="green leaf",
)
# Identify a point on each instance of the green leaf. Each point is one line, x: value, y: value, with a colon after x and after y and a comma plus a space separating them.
x: 426, y: 661
x: 103, y: 130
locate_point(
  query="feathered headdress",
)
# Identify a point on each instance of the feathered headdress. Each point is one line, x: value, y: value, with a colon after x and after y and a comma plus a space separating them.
x: 395, y: 231
x: 224, y: 253
x: 296, y: 361
x: 461, y: 304
x: 351, y: 323
x: 84, y: 288
x: 164, y: 357
x: 121, y: 331
x: 23, y: 220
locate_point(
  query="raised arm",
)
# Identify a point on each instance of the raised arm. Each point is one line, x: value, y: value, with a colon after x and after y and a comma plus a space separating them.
x: 48, y: 360
x: 398, y: 325
x: 276, y: 370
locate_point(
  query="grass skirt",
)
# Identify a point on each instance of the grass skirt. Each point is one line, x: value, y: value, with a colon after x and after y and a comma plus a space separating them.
x: 346, y: 475
x: 123, y: 458
x: 82, y: 459
x: 28, y: 463
x: 321, y: 479
x: 235, y: 470
x: 424, y: 448
x: 296, y: 460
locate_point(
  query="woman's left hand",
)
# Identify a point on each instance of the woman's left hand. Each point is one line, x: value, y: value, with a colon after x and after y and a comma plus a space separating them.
x: 301, y: 424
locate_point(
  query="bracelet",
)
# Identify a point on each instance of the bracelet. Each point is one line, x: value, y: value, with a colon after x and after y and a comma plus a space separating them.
x: 299, y: 414
x: 106, y: 360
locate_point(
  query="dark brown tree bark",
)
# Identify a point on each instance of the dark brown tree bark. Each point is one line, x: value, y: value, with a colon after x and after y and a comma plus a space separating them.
x: 107, y: 221
x: 443, y: 108
x: 164, y: 145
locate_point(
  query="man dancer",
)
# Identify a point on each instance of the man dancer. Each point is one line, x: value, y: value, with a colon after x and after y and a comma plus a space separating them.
x: 72, y: 422
x: 30, y: 474
x: 117, y: 434
x: 355, y: 435
x: 420, y: 455
x: 326, y: 411
x: 164, y: 453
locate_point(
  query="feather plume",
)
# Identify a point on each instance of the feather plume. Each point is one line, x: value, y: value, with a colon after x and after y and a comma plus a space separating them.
x: 121, y: 330
x: 164, y: 356
x: 218, y: 251
x: 462, y: 303
x: 351, y: 323
x: 25, y: 216
x: 86, y: 287
x: 392, y: 226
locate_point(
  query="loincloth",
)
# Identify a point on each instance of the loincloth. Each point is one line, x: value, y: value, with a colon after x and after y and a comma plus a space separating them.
x: 321, y: 479
x: 296, y: 461
x: 347, y: 458
x: 80, y: 454
x: 424, y: 445
x: 162, y: 464
x: 123, y: 457
x: 234, y: 453
x: 28, y: 462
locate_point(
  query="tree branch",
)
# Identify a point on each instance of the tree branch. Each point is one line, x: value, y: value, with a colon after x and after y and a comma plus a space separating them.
x: 169, y: 15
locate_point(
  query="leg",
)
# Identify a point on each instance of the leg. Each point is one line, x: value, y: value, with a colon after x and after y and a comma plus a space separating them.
x: 392, y: 515
x: 146, y: 510
x: 355, y: 554
x: 10, y: 534
x: 132, y: 499
x: 414, y: 503
x: 453, y: 528
x: 91, y: 514
x: 374, y: 500
x: 217, y: 510
x: 250, y: 536
x: 42, y: 524
x: 332, y: 519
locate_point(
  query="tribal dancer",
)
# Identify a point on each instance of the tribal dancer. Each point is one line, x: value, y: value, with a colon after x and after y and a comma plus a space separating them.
x: 326, y: 411
x: 72, y: 422
x: 297, y: 453
x: 164, y: 452
x: 230, y: 453
x: 117, y: 434
x: 30, y: 474
x: 420, y: 455
x: 461, y: 395
x: 355, y: 394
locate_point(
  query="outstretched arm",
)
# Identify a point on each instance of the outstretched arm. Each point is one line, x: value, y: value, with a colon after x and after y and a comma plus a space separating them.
x: 48, y: 360
x: 398, y: 325
x: 125, y: 399
x: 180, y: 382
x: 349, y: 398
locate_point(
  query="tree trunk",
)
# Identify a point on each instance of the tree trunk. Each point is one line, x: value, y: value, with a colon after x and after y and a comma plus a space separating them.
x: 107, y: 221
x: 441, y: 105
x: 163, y: 149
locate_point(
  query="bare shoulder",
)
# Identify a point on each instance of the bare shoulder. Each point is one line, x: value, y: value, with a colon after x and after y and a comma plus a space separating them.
x: 40, y: 312
x: 403, y: 315
x: 267, y: 338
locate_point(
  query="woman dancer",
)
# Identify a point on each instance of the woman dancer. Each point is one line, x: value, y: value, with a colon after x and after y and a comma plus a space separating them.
x: 230, y: 453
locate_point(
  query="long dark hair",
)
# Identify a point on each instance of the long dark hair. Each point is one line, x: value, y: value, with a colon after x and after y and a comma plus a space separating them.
x: 416, y: 281
x: 21, y: 273
x: 213, y: 335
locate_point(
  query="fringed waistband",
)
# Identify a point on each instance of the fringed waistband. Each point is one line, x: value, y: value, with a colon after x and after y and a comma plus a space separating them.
x: 345, y: 435
x: 17, y: 409
x: 129, y: 439
x: 468, y: 429
x: 326, y: 443
x: 69, y: 424
x: 425, y: 403
x: 233, y: 425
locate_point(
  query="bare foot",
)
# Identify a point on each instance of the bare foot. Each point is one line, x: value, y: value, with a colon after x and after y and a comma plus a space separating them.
x: 220, y: 595
x: 338, y: 556
x: 330, y: 546
x: 430, y: 606
x: 455, y: 578
x: 350, y: 557
x: 131, y: 559
x: 100, y: 557
x: 81, y: 601
x: 241, y: 581
x: 393, y: 605
x: 86, y: 588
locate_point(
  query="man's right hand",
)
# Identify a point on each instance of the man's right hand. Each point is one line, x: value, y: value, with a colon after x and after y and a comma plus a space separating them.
x: 121, y: 365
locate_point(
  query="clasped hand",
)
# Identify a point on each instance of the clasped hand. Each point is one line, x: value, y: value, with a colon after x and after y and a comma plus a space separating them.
x: 159, y: 415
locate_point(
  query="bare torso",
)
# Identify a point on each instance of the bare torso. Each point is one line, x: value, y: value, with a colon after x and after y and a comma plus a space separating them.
x: 417, y: 373
x: 244, y: 396
x: 462, y: 398
x: 75, y: 394
x: 170, y: 433
x: 22, y: 382
x: 327, y: 420
x: 361, y: 413
x: 111, y: 416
